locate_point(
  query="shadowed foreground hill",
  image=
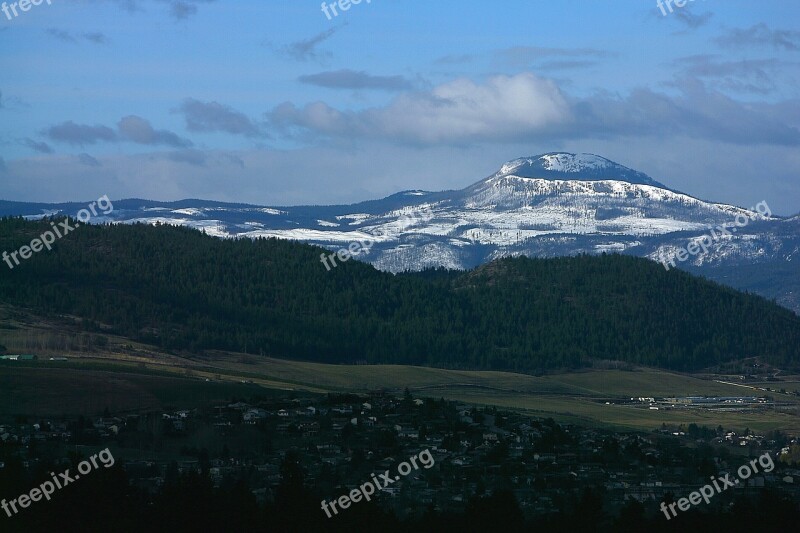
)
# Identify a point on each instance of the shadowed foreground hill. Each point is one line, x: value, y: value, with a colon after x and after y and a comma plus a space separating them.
x: 183, y: 290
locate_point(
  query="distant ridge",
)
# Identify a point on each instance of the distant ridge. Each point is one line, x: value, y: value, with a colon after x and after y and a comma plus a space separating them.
x: 548, y: 205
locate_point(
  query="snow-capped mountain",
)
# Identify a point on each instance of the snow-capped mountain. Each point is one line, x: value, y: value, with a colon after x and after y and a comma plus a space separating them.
x: 586, y: 167
x: 548, y: 205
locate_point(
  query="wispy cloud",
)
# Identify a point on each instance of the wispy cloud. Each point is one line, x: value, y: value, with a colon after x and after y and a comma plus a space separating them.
x: 455, y: 59
x: 129, y: 129
x: 80, y: 134
x: 692, y: 20
x: 525, y: 55
x: 182, y: 10
x: 307, y: 49
x: 190, y: 157
x: 528, y: 108
x: 67, y: 37
x: 178, y: 9
x: 61, y: 35
x: 12, y: 102
x: 356, y: 80
x: 96, y: 37
x: 566, y: 64
x: 755, y: 76
x: 89, y: 161
x: 140, y: 131
x: 37, y: 146
x: 542, y: 58
x: 760, y: 35
x: 213, y: 116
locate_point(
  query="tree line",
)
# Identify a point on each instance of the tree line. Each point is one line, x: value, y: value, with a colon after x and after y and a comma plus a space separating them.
x: 185, y: 291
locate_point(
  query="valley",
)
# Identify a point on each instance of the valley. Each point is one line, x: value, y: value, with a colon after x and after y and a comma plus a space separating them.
x: 85, y: 384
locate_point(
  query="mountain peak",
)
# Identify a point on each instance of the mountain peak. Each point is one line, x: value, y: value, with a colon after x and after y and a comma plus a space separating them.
x: 558, y: 162
x: 574, y: 167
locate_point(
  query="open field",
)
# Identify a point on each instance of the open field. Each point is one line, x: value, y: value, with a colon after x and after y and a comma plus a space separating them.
x: 587, y: 413
x: 87, y: 385
x: 125, y: 375
x: 67, y: 391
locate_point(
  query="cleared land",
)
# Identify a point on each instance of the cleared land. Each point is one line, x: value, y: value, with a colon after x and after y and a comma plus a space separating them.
x: 127, y: 376
x: 88, y: 385
x: 38, y: 391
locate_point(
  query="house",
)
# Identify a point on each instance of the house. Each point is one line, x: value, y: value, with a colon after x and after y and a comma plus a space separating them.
x: 329, y: 450
x: 106, y: 423
x: 309, y: 429
x: 19, y: 358
x: 407, y: 433
x: 253, y: 416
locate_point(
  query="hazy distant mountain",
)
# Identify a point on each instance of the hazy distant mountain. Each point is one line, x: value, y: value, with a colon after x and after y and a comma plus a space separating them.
x: 549, y: 205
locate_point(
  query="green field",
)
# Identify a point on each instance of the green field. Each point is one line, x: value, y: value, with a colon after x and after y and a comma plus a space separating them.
x: 55, y: 392
x: 87, y: 386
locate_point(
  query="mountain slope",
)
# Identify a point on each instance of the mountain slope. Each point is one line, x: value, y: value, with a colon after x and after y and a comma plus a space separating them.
x: 556, y: 204
x: 183, y: 290
x: 567, y: 166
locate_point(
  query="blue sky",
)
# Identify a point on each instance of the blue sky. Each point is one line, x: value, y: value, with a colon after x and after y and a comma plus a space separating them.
x: 271, y: 102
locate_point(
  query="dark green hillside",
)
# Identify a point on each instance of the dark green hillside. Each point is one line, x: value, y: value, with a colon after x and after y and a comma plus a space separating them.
x: 183, y: 290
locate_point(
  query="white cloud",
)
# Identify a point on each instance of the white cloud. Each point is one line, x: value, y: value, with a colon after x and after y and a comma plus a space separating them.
x: 459, y: 111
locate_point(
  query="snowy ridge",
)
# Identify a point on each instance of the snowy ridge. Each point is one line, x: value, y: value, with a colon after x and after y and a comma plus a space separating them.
x: 567, y: 166
x: 562, y: 162
x: 549, y: 205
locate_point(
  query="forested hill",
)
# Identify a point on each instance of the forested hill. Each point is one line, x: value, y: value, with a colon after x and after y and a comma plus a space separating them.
x: 183, y: 290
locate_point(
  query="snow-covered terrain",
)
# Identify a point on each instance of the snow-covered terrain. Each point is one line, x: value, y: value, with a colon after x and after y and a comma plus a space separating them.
x: 548, y: 205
